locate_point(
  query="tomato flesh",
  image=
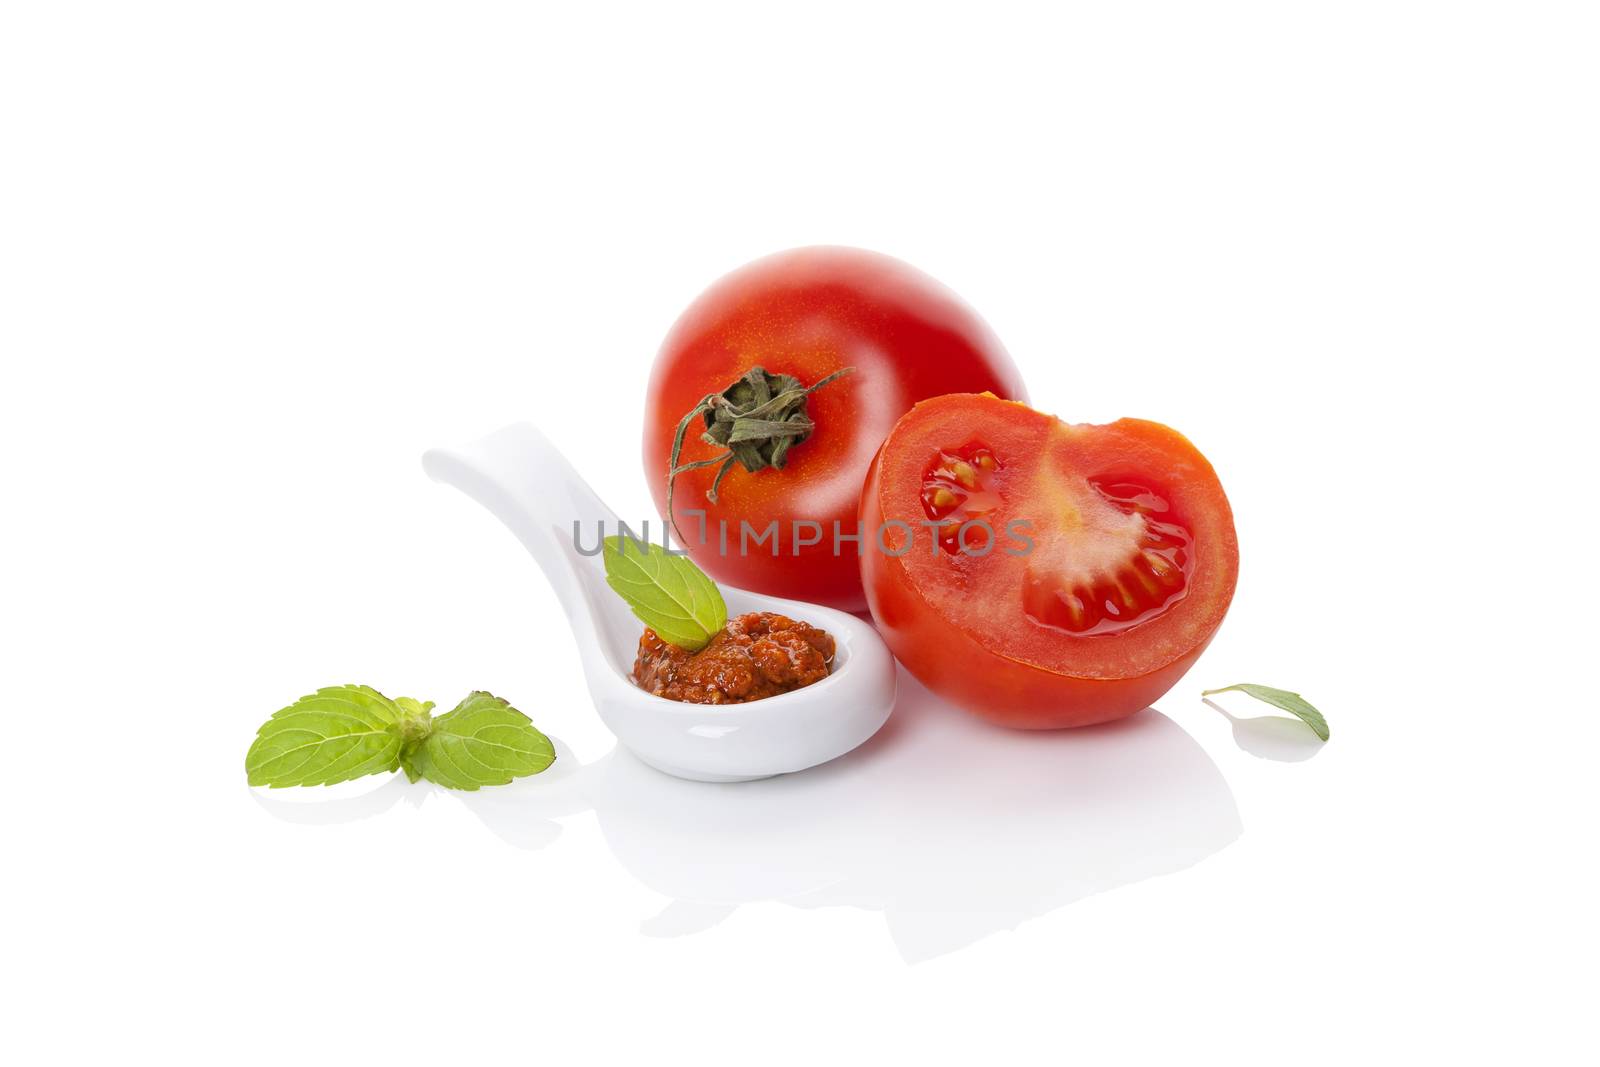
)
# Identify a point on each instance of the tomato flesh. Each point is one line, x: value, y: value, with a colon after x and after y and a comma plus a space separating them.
x: 1044, y: 574
x: 1147, y: 575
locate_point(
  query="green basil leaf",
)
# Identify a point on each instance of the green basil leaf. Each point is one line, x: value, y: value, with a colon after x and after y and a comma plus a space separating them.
x: 483, y: 741
x: 333, y: 735
x: 1293, y: 703
x: 667, y: 593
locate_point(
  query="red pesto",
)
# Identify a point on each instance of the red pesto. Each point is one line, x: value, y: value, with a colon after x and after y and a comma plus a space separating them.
x: 758, y: 655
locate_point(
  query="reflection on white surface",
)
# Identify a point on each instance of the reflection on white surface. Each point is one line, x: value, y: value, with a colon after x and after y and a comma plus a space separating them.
x: 522, y: 813
x: 952, y: 828
x: 1274, y: 737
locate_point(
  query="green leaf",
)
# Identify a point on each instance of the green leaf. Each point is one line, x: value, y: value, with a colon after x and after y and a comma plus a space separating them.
x: 667, y: 593
x: 1293, y: 703
x: 333, y: 735
x: 483, y: 741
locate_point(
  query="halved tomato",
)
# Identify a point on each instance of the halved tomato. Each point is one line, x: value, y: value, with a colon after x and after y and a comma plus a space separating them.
x: 1039, y: 573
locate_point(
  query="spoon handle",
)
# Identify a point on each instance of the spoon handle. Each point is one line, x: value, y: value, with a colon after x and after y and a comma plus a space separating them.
x: 519, y: 476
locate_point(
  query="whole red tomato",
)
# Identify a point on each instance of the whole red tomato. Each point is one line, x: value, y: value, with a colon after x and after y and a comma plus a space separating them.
x: 846, y: 342
x: 1043, y: 574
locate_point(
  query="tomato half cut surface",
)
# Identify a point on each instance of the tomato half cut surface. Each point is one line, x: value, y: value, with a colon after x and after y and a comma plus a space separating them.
x: 1043, y: 574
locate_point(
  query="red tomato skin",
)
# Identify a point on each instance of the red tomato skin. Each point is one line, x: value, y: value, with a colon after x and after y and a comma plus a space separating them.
x: 951, y: 662
x: 809, y: 312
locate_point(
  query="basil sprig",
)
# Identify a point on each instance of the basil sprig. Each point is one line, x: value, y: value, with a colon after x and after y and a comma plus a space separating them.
x: 348, y: 731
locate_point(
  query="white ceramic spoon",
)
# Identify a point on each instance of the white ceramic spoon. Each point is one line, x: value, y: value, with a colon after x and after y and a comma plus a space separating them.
x: 519, y: 476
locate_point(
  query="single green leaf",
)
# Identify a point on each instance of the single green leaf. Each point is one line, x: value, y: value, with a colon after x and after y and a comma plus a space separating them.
x: 667, y: 593
x: 333, y: 735
x: 483, y: 741
x: 1293, y: 703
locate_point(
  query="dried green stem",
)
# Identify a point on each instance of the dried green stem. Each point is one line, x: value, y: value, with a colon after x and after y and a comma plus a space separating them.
x: 758, y: 419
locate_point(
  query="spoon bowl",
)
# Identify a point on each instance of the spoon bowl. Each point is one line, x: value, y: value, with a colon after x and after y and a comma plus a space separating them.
x: 520, y: 477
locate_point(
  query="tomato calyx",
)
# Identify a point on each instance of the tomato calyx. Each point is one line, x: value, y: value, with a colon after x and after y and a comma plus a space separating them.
x: 758, y: 419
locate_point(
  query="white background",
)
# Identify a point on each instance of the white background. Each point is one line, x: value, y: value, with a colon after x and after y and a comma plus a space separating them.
x: 254, y: 258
